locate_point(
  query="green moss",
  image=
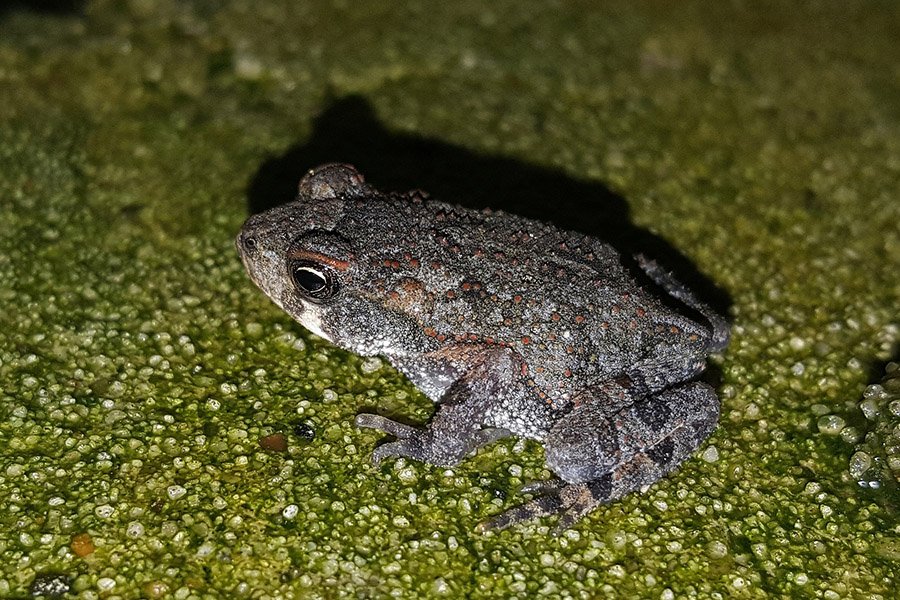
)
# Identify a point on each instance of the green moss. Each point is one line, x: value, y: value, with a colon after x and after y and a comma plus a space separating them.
x: 139, y: 367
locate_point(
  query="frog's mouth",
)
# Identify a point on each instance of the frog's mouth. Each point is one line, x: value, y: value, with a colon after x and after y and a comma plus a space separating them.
x: 311, y: 318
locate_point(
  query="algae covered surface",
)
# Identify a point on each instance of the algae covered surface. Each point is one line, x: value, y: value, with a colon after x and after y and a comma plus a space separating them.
x: 165, y: 431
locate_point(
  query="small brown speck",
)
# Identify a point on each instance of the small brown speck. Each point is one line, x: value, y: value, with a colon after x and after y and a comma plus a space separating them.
x: 82, y: 545
x: 275, y: 442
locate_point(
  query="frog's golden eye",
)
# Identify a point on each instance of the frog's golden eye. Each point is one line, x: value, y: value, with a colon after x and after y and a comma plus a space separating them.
x: 314, y: 280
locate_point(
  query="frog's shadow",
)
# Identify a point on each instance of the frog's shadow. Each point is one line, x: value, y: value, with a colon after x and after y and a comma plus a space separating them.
x: 57, y: 7
x: 348, y: 131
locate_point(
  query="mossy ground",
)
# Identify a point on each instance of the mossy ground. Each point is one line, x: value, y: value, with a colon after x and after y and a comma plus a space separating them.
x: 139, y: 367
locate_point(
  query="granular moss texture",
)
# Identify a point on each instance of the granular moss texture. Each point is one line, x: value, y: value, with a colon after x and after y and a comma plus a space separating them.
x: 166, y: 432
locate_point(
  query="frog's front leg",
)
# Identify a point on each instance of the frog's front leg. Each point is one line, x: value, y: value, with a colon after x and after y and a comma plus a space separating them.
x: 456, y: 428
x: 601, y: 455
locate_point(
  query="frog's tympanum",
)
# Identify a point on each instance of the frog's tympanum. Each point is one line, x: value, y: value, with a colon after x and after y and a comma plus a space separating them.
x: 511, y: 326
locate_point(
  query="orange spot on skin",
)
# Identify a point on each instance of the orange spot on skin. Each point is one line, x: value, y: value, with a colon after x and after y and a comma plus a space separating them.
x: 430, y: 332
x: 414, y: 263
x: 526, y: 340
x: 640, y: 312
x: 615, y: 309
x: 674, y: 329
x: 567, y: 372
x: 335, y: 263
x: 604, y: 325
x: 517, y: 298
x: 555, y: 317
x: 411, y: 285
x: 579, y: 319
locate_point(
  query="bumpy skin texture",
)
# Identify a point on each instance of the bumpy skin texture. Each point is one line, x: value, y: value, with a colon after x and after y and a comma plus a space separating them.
x: 513, y: 327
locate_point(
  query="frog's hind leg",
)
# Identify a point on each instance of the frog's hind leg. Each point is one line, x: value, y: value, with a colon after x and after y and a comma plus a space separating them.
x: 600, y: 457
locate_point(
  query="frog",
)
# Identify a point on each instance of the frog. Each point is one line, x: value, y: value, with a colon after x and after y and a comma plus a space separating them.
x: 511, y: 326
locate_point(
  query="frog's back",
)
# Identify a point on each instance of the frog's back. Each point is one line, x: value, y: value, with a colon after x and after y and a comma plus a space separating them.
x: 563, y: 300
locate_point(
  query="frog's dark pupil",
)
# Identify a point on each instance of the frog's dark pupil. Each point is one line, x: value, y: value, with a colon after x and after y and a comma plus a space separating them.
x: 309, y: 279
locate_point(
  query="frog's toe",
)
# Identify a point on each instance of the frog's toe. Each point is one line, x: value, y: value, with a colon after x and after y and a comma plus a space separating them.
x: 571, y: 501
x: 543, y: 487
x: 400, y: 449
x: 399, y: 430
x: 539, y: 507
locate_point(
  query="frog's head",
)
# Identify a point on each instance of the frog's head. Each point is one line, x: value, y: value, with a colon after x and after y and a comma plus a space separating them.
x: 303, y: 255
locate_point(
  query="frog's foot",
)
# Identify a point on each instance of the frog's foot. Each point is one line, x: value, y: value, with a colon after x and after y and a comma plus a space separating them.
x: 424, y: 444
x: 409, y: 438
x: 571, y: 501
x: 604, y: 457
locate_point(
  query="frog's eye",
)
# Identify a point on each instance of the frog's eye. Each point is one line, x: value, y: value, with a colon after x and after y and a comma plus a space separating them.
x: 313, y: 280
